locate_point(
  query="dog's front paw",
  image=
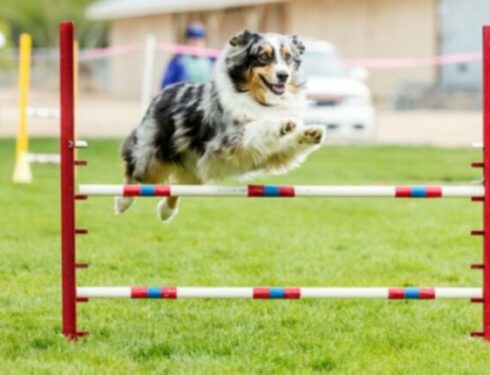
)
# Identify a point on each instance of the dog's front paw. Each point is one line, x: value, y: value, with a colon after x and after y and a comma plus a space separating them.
x: 287, y: 126
x: 312, y: 135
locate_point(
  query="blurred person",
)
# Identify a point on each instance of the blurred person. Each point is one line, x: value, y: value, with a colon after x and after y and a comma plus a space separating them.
x: 186, y: 67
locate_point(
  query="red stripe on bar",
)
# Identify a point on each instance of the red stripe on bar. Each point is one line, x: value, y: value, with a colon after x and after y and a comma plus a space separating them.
x: 286, y: 191
x: 162, y: 191
x: 261, y: 293
x: 292, y: 293
x: 433, y: 192
x: 255, y: 190
x: 139, y: 293
x: 80, y: 163
x: 396, y: 293
x: 427, y: 293
x: 131, y: 190
x: 169, y: 293
x: 403, y: 192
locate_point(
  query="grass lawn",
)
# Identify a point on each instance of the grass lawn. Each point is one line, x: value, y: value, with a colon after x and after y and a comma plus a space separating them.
x: 241, y: 242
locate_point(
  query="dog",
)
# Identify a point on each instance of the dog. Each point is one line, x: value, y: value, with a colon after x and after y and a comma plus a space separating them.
x: 245, y: 121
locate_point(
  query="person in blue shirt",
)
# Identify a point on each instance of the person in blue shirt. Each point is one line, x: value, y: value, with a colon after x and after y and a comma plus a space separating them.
x: 189, y: 68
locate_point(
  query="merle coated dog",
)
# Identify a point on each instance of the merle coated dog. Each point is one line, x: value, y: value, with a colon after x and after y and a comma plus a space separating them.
x: 246, y: 120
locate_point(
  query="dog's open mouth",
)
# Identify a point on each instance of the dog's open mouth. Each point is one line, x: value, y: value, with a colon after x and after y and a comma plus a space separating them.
x: 277, y: 89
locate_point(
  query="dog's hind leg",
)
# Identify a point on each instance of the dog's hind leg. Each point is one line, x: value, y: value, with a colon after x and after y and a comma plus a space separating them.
x: 156, y: 173
x: 169, y: 207
x: 121, y: 204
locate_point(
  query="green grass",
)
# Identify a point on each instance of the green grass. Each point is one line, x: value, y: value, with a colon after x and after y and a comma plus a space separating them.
x: 240, y: 242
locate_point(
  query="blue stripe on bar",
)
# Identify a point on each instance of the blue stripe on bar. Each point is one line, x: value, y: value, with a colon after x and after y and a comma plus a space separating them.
x: 147, y: 190
x: 276, y: 293
x: 418, y: 192
x: 154, y: 293
x: 412, y: 293
x: 271, y: 191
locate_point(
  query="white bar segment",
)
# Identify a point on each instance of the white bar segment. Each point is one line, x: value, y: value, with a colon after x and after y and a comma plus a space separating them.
x: 101, y: 189
x: 477, y: 144
x: 44, y: 158
x: 104, y: 292
x: 300, y: 191
x: 43, y: 112
x: 210, y: 292
x: 346, y: 293
x: 306, y: 292
x: 459, y: 293
x: 81, y: 144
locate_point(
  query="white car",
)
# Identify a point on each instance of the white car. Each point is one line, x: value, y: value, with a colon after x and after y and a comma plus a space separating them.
x: 338, y: 98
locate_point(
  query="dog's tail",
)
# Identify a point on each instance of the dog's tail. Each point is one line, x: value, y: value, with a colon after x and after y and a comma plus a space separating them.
x: 121, y: 204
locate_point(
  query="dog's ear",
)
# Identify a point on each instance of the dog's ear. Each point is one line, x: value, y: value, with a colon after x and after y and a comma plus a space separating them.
x: 243, y: 38
x: 297, y: 43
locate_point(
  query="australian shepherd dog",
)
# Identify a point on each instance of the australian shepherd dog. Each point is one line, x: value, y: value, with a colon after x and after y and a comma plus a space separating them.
x: 245, y: 121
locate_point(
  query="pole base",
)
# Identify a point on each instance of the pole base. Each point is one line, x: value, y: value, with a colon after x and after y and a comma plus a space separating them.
x: 22, y: 171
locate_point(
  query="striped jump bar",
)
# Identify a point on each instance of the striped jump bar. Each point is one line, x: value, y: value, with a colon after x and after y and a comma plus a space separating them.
x: 283, y: 191
x: 277, y: 293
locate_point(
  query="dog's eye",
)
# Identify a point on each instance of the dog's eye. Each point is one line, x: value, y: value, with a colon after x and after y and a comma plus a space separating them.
x: 265, y: 58
x: 288, y: 57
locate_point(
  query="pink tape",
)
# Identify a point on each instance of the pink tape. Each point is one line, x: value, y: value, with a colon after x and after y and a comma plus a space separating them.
x: 98, y: 53
x: 188, y: 50
x: 370, y: 63
x: 405, y: 63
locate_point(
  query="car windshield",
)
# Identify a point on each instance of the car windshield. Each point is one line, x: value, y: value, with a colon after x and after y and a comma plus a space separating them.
x: 323, y: 63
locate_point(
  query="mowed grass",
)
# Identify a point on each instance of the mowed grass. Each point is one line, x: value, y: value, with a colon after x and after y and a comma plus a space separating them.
x: 244, y: 242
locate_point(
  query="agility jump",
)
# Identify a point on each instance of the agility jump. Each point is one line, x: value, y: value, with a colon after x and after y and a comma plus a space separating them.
x: 72, y: 294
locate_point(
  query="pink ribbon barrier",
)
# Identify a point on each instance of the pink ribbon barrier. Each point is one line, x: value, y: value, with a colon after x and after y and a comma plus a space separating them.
x: 188, y: 50
x: 369, y: 63
x: 406, y: 63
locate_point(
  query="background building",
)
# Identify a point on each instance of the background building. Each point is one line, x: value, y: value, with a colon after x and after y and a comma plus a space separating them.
x: 361, y: 29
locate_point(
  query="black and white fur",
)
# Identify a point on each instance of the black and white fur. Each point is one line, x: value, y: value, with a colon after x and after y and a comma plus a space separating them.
x: 245, y: 121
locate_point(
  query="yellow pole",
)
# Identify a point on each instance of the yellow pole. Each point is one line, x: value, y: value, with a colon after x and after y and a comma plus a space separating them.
x: 22, y: 171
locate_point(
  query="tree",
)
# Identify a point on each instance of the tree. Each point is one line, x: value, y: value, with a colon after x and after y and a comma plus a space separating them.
x: 40, y: 18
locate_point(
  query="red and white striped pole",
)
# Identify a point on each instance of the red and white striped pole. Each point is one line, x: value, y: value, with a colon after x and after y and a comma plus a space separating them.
x: 172, y: 293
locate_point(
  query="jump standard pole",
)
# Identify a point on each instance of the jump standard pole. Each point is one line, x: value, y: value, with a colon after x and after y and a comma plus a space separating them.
x: 68, y: 143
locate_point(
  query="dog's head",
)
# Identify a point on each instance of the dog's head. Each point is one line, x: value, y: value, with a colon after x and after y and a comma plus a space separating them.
x: 265, y: 65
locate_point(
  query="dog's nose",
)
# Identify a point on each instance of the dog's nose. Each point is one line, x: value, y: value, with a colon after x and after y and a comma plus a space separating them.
x: 282, y: 76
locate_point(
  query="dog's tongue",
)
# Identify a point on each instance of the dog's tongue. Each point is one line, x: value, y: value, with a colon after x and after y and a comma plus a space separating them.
x: 279, y: 89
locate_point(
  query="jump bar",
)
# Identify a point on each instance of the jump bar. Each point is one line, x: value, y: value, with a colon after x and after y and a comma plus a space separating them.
x: 282, y: 191
x: 277, y: 293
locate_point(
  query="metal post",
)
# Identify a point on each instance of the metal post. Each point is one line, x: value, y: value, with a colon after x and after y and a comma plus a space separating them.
x: 67, y: 146
x: 486, y: 177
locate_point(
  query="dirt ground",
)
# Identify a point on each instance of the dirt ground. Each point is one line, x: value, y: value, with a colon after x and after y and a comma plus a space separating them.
x: 102, y: 116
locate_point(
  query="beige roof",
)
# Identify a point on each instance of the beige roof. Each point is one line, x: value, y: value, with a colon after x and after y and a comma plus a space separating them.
x: 111, y: 9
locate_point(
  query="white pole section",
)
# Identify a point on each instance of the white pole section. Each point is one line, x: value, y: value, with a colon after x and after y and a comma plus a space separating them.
x: 148, y: 68
x: 43, y: 112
